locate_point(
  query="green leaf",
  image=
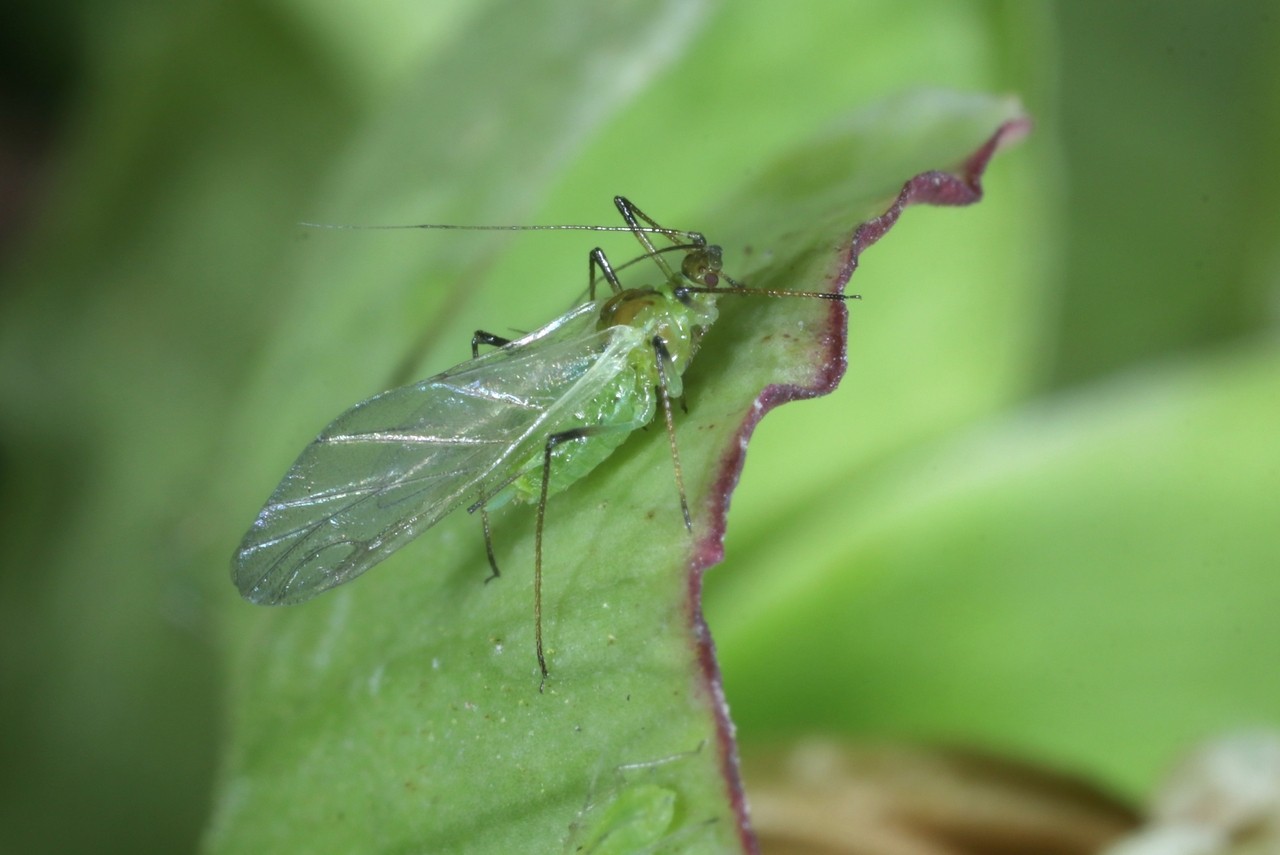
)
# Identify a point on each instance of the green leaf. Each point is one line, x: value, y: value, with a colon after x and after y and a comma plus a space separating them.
x: 403, y: 711
x: 169, y: 338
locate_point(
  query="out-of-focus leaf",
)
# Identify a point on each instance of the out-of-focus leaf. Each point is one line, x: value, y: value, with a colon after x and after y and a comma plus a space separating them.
x: 823, y: 796
x: 1090, y: 580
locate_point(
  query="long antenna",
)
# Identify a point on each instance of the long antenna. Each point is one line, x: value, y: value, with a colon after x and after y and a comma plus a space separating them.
x: 671, y: 233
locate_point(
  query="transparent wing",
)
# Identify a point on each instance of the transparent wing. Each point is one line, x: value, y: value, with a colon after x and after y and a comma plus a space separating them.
x: 394, y: 465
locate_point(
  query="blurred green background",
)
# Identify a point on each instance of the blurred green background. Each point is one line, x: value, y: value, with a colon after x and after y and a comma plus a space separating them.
x: 1039, y: 515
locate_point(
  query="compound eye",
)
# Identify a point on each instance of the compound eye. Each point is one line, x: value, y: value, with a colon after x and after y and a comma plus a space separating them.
x: 693, y: 266
x: 702, y: 265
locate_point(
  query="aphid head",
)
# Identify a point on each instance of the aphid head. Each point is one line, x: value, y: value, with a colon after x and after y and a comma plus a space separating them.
x: 701, y: 265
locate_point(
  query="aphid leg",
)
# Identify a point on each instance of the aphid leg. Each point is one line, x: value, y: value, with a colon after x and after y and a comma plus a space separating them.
x: 663, y: 358
x: 637, y: 220
x: 488, y: 547
x: 596, y: 260
x: 552, y: 441
x: 486, y: 338
x: 491, y: 340
x: 633, y: 215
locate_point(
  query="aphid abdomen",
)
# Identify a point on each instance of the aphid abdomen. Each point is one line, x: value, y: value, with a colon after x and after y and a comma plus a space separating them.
x: 628, y: 402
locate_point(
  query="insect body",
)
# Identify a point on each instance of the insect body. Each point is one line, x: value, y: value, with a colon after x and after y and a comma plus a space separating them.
x: 519, y: 423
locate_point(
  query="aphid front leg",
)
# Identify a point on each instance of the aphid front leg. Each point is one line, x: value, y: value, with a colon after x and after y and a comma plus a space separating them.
x: 637, y: 220
x: 663, y: 361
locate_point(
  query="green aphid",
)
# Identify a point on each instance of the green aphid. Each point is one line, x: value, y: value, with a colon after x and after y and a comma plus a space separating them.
x: 519, y: 423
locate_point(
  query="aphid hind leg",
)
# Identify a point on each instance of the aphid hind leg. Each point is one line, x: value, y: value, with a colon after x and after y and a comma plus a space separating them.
x: 552, y: 441
x: 488, y: 547
x: 486, y: 338
x: 491, y: 340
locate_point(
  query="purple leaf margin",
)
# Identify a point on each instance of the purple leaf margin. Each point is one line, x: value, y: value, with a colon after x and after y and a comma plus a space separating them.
x: 963, y: 186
